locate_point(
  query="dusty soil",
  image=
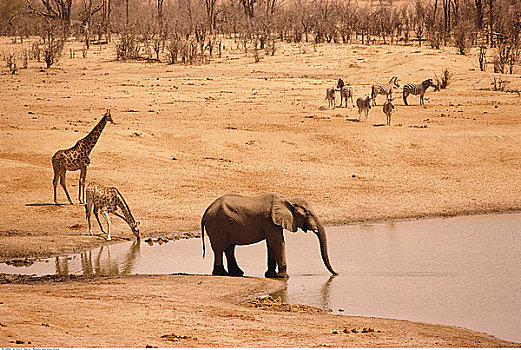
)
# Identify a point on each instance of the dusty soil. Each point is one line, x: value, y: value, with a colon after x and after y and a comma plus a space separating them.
x: 185, y: 135
x: 195, y: 311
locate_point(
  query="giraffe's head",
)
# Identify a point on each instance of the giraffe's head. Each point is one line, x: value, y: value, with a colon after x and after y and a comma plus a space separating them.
x: 108, y: 117
x: 135, y: 229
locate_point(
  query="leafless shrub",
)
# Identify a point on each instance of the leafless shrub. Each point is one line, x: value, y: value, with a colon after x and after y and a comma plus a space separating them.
x: 173, y: 48
x: 10, y: 61
x: 256, y: 55
x: 35, y: 51
x: 499, y: 84
x: 508, y: 54
x: 52, y: 52
x: 435, y: 39
x: 157, y: 47
x: 25, y: 58
x: 461, y: 38
x: 482, y: 58
x: 188, y: 51
x: 127, y: 47
x: 444, y: 79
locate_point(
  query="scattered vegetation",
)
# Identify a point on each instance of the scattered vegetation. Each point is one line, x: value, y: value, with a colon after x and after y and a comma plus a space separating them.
x: 482, y: 58
x: 444, y: 79
x: 499, y: 84
x: 52, y: 52
x: 187, y: 31
x: 10, y: 61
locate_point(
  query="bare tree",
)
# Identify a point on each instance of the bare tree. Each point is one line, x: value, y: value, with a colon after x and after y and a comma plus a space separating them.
x: 248, y: 6
x: 56, y: 10
x: 89, y: 11
x: 209, y: 5
x: 419, y: 20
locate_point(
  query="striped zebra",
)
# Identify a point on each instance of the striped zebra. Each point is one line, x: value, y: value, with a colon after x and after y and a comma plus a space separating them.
x: 345, y: 93
x: 384, y: 89
x: 417, y: 89
x: 388, y: 110
x: 330, y: 97
x: 364, y: 105
x: 340, y: 84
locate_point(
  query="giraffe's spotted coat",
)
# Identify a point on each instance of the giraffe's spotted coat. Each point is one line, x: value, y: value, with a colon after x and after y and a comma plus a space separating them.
x: 77, y: 158
x: 108, y: 200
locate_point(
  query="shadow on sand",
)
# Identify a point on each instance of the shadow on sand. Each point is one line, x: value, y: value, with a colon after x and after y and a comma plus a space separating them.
x: 44, y: 204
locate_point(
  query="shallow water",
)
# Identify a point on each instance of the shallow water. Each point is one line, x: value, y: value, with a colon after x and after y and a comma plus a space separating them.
x: 461, y: 271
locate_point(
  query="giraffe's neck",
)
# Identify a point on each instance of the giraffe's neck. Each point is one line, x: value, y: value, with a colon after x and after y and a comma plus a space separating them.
x: 126, y: 211
x: 90, y: 140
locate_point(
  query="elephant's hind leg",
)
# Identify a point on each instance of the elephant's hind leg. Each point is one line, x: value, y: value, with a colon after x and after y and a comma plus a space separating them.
x: 233, y: 268
x: 218, y: 266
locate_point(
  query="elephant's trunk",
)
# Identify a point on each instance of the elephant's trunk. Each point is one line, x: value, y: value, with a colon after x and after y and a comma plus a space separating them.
x: 321, y: 234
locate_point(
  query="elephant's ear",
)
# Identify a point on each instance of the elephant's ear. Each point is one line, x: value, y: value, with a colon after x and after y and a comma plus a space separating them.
x: 282, y: 214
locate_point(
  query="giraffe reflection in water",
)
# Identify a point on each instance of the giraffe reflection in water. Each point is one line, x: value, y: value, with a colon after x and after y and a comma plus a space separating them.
x: 100, y: 262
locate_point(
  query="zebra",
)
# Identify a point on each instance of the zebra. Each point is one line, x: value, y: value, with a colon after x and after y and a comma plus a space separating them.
x: 388, y: 110
x: 330, y: 96
x: 340, y: 84
x: 417, y: 89
x: 384, y: 89
x: 345, y: 93
x: 364, y: 105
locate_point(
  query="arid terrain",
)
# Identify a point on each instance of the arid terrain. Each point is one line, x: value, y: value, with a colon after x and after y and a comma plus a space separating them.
x: 184, y: 135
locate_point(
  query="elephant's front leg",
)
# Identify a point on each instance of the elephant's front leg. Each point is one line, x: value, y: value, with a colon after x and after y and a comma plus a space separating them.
x: 272, y: 263
x: 278, y: 250
x: 218, y: 265
x: 233, y: 268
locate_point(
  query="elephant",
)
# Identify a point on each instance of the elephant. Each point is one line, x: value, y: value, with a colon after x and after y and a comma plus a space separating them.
x: 234, y: 219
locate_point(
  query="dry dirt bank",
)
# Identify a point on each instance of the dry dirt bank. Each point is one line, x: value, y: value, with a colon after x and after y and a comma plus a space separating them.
x: 185, y: 135
x: 194, y: 311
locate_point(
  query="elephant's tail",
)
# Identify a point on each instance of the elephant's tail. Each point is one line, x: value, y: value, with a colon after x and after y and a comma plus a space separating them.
x: 202, y: 236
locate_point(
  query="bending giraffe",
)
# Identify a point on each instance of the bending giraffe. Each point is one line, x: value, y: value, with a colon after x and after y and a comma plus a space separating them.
x: 77, y: 158
x: 108, y: 200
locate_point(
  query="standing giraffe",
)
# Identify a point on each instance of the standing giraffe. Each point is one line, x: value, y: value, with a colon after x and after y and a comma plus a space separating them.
x: 77, y: 158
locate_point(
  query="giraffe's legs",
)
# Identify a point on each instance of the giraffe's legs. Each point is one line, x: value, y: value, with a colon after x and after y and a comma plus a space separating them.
x: 55, y: 183
x: 88, y: 209
x: 62, y: 183
x: 106, y: 216
x: 81, y: 185
x: 97, y: 218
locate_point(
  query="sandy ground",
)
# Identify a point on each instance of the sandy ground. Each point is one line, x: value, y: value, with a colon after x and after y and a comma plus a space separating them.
x: 185, y: 135
x: 195, y: 311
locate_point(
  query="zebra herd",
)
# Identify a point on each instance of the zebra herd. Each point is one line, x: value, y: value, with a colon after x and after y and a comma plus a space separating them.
x: 364, y: 104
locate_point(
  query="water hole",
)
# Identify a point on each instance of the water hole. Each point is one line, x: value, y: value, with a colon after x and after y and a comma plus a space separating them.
x: 463, y: 271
